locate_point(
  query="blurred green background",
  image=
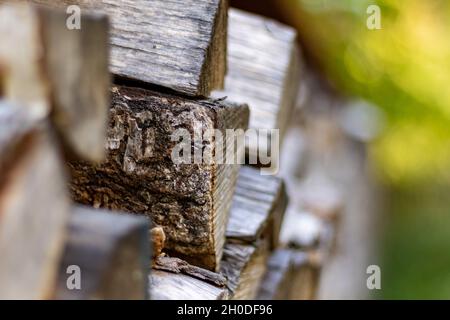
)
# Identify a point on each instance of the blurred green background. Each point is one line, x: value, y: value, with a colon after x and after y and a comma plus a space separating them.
x: 404, y: 69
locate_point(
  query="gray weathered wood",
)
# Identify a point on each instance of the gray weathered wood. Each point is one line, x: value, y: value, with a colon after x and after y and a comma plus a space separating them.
x: 263, y: 70
x: 258, y: 207
x: 290, y: 276
x: 277, y: 281
x: 178, y: 44
x: 244, y: 266
x: 170, y: 286
x: 58, y: 72
x: 112, y: 252
x: 34, y: 206
x: 190, y: 201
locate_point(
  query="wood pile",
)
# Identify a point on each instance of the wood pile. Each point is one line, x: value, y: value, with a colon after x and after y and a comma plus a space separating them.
x: 88, y: 181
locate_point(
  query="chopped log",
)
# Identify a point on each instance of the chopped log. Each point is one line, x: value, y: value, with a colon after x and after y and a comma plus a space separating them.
x: 32, y: 217
x: 177, y: 286
x: 189, y: 200
x: 58, y: 71
x: 112, y: 252
x: 258, y: 208
x: 263, y: 71
x: 244, y: 266
x: 179, y: 44
x: 290, y: 276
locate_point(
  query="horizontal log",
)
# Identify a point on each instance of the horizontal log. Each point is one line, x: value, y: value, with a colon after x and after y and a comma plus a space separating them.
x: 58, y: 72
x: 33, y: 217
x: 112, y: 253
x: 290, y: 276
x: 263, y: 71
x: 179, y: 44
x: 190, y: 201
x: 258, y: 208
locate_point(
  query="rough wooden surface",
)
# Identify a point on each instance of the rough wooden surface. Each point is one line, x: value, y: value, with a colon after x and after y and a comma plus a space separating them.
x: 58, y: 72
x: 258, y: 207
x: 290, y: 276
x: 112, y: 251
x: 244, y: 266
x: 32, y: 217
x: 176, y: 265
x: 190, y: 201
x: 178, y: 44
x: 170, y: 286
x: 263, y: 70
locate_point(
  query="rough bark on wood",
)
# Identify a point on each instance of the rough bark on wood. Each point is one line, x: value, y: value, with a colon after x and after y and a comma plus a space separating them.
x: 190, y: 201
x: 170, y: 286
x: 32, y: 217
x: 58, y: 72
x: 178, y: 44
x: 244, y: 267
x: 258, y: 208
x: 263, y: 71
x: 112, y: 252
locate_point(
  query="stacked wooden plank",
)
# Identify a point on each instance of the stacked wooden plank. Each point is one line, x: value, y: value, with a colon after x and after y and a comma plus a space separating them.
x: 215, y: 225
x: 264, y: 72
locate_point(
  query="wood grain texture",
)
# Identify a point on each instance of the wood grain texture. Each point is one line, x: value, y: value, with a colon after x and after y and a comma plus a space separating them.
x: 178, y: 44
x: 170, y: 286
x: 32, y: 217
x: 112, y: 251
x: 263, y: 70
x: 244, y: 266
x: 58, y: 72
x: 258, y: 208
x: 190, y: 201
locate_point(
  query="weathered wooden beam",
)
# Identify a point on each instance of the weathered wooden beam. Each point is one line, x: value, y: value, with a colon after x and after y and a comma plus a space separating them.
x: 290, y: 276
x: 263, y: 71
x: 256, y: 214
x: 258, y: 208
x: 189, y: 200
x: 112, y: 253
x: 179, y: 44
x: 244, y: 266
x: 34, y: 206
x: 58, y: 72
x: 177, y: 286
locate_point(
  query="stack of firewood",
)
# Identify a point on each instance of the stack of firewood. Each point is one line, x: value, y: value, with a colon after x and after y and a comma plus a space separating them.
x: 68, y: 136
